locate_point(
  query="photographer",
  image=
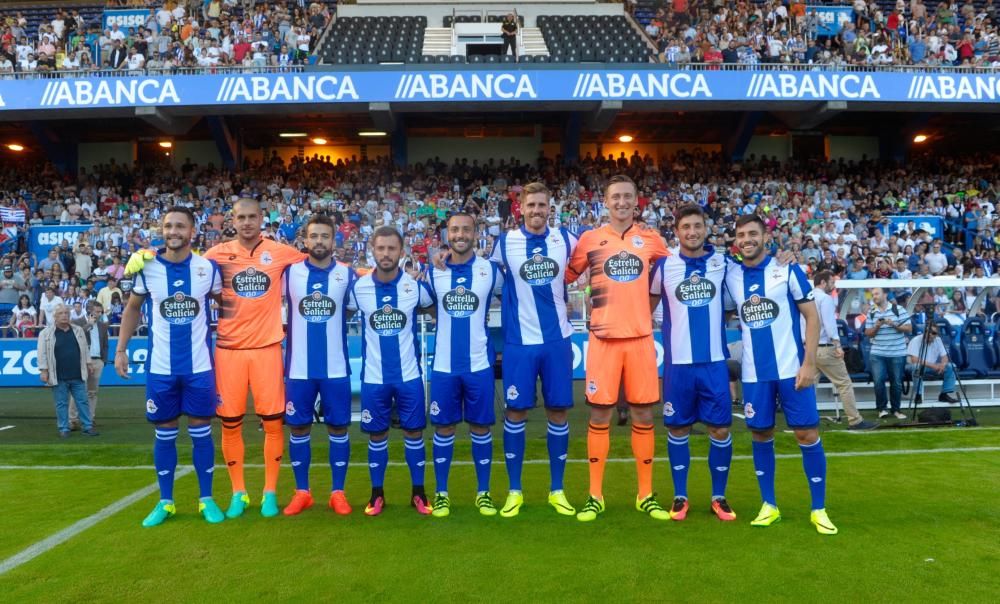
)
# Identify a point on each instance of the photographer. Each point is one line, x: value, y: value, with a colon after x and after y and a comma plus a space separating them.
x: 887, y: 326
x: 935, y: 361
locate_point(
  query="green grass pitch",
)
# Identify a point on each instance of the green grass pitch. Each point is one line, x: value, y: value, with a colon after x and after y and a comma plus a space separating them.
x: 918, y: 521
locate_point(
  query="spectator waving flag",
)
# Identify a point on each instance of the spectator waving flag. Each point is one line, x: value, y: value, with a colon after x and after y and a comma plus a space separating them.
x: 16, y: 215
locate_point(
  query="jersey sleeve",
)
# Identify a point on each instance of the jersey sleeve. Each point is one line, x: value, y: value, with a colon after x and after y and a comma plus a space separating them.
x: 427, y: 299
x: 577, y: 262
x: 798, y: 284
x: 429, y: 280
x: 656, y: 278
x: 498, y: 279
x: 139, y: 285
x: 216, y: 278
x: 352, y: 296
x: 657, y: 248
x: 288, y: 255
x: 496, y: 254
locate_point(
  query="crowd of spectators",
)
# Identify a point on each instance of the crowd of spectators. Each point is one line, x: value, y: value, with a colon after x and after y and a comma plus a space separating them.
x: 218, y: 33
x: 832, y: 215
x: 950, y: 33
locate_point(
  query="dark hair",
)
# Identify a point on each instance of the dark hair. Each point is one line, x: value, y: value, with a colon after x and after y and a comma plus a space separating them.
x: 822, y: 276
x: 181, y: 210
x: 688, y: 209
x: 322, y: 219
x: 461, y: 213
x: 387, y: 231
x: 748, y: 218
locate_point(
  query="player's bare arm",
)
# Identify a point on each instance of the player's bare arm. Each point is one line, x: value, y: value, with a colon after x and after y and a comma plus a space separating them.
x: 130, y: 320
x: 807, y: 373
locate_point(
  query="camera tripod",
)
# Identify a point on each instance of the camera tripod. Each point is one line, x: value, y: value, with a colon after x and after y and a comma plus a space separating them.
x: 916, y: 394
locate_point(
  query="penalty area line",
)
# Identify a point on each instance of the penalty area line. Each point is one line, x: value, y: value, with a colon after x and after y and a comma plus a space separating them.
x: 531, y: 462
x: 47, y: 544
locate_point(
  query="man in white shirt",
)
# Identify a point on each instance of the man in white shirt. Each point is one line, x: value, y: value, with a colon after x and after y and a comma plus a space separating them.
x: 936, y: 261
x: 135, y: 60
x: 935, y: 362
x: 830, y: 353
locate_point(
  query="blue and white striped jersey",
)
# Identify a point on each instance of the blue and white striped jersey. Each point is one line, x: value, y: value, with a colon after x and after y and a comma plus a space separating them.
x: 766, y: 298
x: 176, y: 306
x: 694, y: 321
x: 390, y: 346
x: 533, y: 310
x: 463, y: 293
x: 316, y: 347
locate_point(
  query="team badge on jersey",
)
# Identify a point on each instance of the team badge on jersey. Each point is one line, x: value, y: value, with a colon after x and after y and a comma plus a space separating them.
x: 623, y: 267
x: 592, y: 387
x: 366, y: 416
x: 266, y: 259
x: 759, y: 312
x: 637, y: 242
x: 179, y: 309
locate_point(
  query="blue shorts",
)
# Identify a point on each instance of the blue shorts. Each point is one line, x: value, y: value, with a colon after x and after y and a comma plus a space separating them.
x: 523, y: 365
x: 760, y: 400
x: 377, y: 401
x: 696, y: 393
x: 335, y: 401
x: 467, y: 396
x: 170, y: 396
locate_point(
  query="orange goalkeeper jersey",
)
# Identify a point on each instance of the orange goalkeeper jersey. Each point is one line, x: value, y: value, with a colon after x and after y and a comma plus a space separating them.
x: 619, y: 278
x: 251, y: 292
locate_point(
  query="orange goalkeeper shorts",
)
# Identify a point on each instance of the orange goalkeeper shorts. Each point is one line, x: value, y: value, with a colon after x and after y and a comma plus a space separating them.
x: 628, y: 361
x: 260, y: 370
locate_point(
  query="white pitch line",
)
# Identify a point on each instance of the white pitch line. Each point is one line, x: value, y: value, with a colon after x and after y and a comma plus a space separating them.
x: 79, y: 526
x: 2, y: 428
x: 546, y: 461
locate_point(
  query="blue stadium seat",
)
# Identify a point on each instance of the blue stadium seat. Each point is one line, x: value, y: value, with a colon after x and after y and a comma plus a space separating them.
x: 977, y: 351
x: 949, y: 337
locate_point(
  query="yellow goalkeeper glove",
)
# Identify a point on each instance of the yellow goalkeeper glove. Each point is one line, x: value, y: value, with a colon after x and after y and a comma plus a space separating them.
x: 137, y: 261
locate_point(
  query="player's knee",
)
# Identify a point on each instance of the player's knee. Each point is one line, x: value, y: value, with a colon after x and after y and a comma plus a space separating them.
x: 171, y: 424
x: 479, y: 429
x: 556, y: 416
x: 337, y: 430
x: 300, y: 430
x: 445, y: 430
x: 718, y: 432
x: 413, y: 434
x: 272, y: 425
x: 763, y: 435
x: 680, y: 431
x: 194, y: 422
x: 378, y: 437
x: 807, y: 437
x: 641, y: 415
x: 600, y: 415
x: 516, y: 415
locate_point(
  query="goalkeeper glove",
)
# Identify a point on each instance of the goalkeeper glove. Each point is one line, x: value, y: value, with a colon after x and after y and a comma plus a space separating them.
x: 137, y: 261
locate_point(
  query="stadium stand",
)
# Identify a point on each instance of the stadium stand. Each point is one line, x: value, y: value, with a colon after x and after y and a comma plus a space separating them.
x: 592, y: 38
x: 369, y: 40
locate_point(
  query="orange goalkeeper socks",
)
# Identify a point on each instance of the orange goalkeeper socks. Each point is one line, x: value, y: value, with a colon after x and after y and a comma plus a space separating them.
x: 598, y: 441
x: 643, y: 448
x: 232, y: 452
x: 274, y: 448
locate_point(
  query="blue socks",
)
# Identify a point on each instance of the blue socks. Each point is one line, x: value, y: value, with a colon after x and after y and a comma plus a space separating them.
x: 680, y: 461
x: 444, y: 450
x: 558, y: 445
x: 300, y: 452
x: 165, y: 460
x: 378, y: 459
x: 482, y: 456
x: 720, y: 457
x: 203, y: 457
x: 416, y: 459
x: 814, y: 463
x: 513, y: 451
x: 340, y: 455
x: 763, y: 465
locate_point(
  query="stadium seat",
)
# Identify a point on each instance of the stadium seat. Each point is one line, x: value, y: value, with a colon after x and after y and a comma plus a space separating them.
x: 977, y: 352
x: 949, y: 337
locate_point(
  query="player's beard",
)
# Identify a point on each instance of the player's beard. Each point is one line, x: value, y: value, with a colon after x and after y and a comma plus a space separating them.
x: 176, y: 243
x: 460, y: 246
x: 753, y: 254
x: 699, y: 246
x: 320, y: 253
x: 387, y: 263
